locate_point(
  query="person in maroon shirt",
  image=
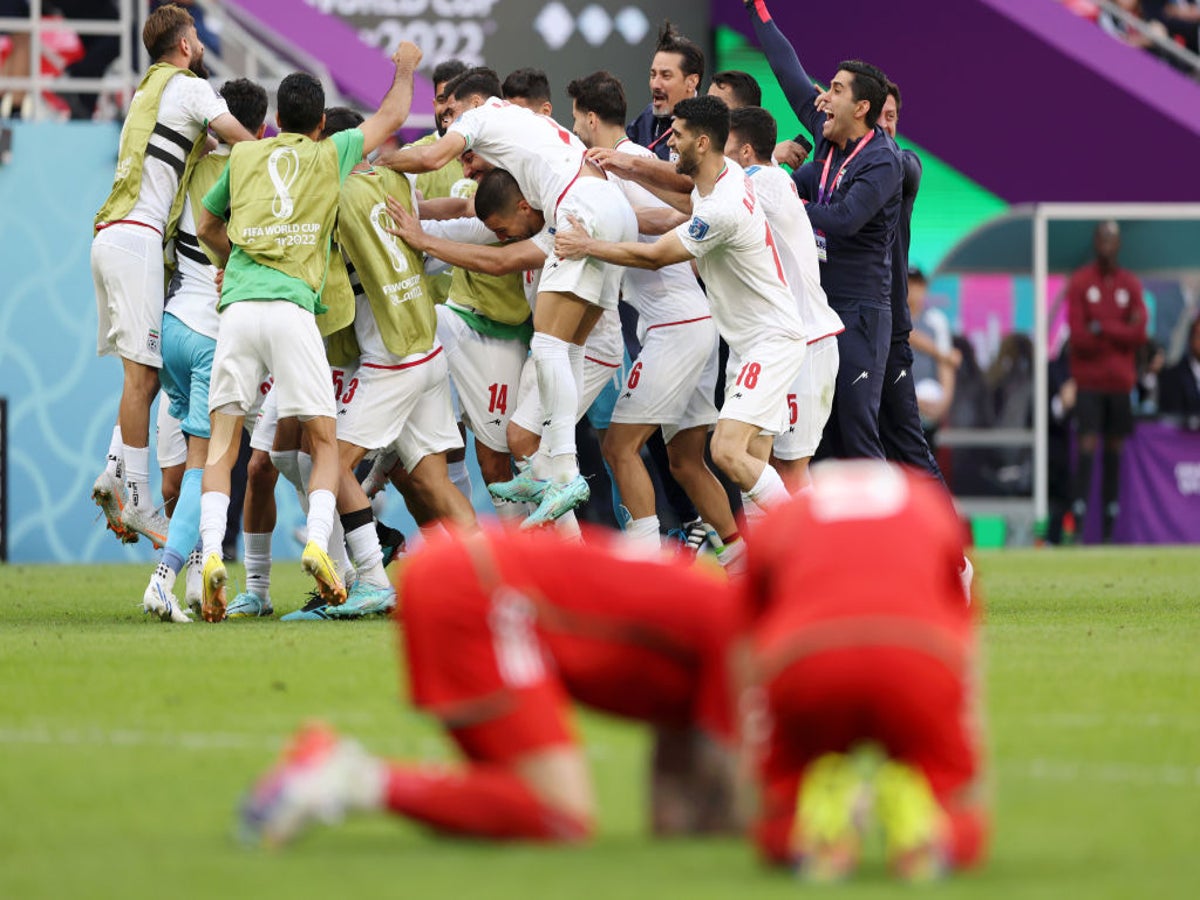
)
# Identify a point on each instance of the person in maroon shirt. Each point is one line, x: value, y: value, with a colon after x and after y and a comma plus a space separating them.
x: 1108, y: 323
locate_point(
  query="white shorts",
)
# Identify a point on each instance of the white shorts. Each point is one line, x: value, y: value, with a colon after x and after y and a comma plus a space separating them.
x: 602, y: 209
x: 262, y: 422
x: 596, y: 374
x: 810, y: 401
x: 127, y: 269
x: 405, y: 407
x: 261, y: 337
x: 757, y: 385
x: 673, y: 379
x: 485, y: 372
x: 345, y: 387
x: 170, y: 444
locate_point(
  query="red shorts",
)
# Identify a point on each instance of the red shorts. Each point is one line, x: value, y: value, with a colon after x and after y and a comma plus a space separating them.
x: 475, y: 662
x: 919, y: 710
x: 476, y: 656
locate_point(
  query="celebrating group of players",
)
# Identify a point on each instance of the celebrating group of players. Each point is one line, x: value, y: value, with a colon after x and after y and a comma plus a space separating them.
x: 302, y: 273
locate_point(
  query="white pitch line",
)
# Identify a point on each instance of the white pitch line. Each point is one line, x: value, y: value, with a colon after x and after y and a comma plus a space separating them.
x: 1034, y: 769
x: 1101, y: 720
x: 1102, y: 772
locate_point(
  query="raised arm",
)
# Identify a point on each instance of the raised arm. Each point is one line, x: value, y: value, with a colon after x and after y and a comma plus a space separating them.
x: 797, y: 86
x: 396, y: 103
x: 576, y: 243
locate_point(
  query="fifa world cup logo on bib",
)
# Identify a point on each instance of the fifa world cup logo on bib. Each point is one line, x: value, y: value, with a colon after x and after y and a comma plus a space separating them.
x: 283, y: 165
x: 380, y: 220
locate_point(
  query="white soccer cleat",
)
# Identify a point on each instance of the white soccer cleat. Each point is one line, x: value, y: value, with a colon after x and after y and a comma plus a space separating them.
x: 193, y: 593
x: 319, y: 779
x: 159, y: 601
x: 108, y: 492
x: 146, y: 522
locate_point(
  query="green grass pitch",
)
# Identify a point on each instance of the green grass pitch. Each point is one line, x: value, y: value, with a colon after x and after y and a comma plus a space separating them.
x: 126, y: 742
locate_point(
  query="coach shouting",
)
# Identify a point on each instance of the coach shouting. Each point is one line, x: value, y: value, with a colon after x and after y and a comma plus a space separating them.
x: 853, y: 189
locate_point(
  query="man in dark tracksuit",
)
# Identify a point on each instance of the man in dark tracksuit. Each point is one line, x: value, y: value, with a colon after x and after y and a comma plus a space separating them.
x: 675, y: 74
x: 899, y: 418
x: 853, y: 189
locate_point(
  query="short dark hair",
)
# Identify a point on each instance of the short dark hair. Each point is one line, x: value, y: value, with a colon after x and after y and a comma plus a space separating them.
x: 447, y: 70
x: 742, y: 85
x: 527, y: 84
x: 893, y: 90
x: 671, y: 41
x: 247, y: 102
x: 163, y: 28
x: 707, y: 115
x: 479, y: 80
x: 301, y: 103
x: 340, y: 118
x: 755, y: 126
x: 870, y: 84
x: 916, y: 276
x: 601, y: 93
x: 498, y: 192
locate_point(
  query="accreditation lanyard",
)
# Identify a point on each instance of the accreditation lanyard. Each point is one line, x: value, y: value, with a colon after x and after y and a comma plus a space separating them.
x: 824, y: 196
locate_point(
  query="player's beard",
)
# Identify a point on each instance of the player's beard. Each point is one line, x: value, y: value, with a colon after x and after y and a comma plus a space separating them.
x: 687, y: 164
x: 197, y: 66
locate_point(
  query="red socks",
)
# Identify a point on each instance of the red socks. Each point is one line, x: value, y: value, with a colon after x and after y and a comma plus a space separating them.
x: 479, y: 801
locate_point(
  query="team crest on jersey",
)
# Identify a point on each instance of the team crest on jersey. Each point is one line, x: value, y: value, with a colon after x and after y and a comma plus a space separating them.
x: 152, y: 341
x: 698, y: 229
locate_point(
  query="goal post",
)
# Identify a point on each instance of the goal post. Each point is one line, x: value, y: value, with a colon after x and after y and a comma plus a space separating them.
x: 1043, y: 215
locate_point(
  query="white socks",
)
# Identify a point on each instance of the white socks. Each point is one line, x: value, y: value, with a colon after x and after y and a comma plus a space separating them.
x: 214, y: 511
x: 322, y: 510
x: 460, y: 477
x: 113, y: 463
x: 560, y: 399
x: 644, y: 532
x: 769, y: 490
x: 137, y: 475
x: 368, y: 557
x: 508, y: 511
x: 258, y: 563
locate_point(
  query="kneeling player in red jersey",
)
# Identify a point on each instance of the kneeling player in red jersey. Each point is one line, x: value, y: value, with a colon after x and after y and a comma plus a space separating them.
x: 859, y: 636
x: 501, y: 631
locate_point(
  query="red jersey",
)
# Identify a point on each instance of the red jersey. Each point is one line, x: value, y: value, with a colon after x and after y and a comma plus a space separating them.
x: 1108, y: 323
x: 637, y: 635
x: 870, y: 556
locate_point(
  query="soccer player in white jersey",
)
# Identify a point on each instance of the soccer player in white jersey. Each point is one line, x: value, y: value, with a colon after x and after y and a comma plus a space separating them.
x: 752, y: 133
x: 752, y: 304
x: 527, y: 243
x: 161, y: 139
x: 548, y: 164
x: 280, y: 198
x: 190, y: 326
x: 671, y: 383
